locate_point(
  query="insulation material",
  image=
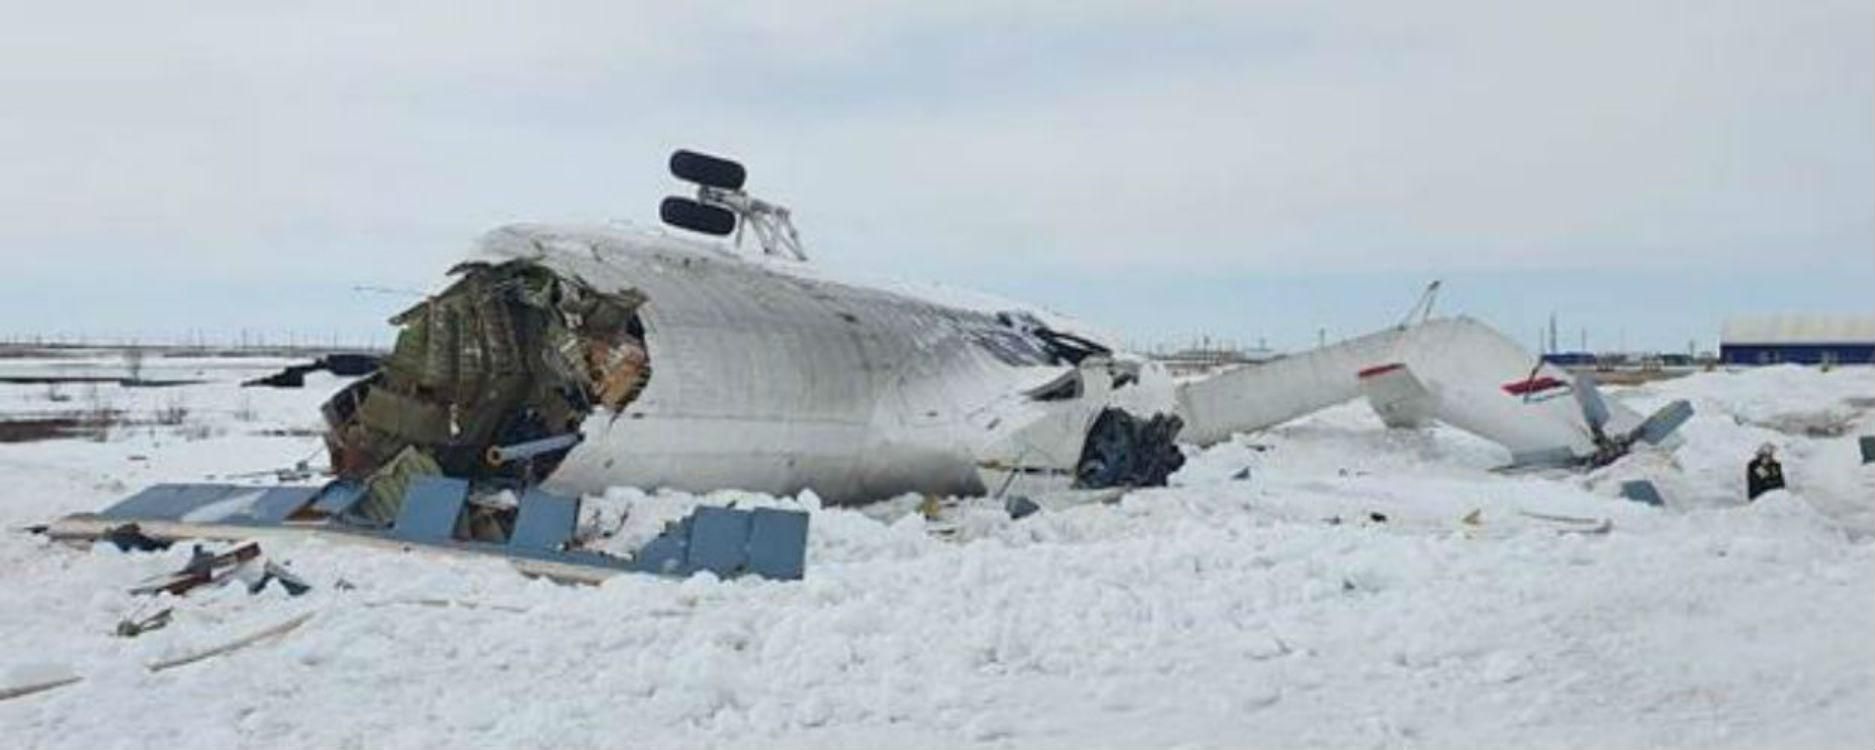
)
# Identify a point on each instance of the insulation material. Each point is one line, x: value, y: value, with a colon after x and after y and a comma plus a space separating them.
x: 510, y: 352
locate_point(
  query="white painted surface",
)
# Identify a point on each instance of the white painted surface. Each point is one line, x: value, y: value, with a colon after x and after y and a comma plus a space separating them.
x: 1800, y: 329
x: 1464, y: 363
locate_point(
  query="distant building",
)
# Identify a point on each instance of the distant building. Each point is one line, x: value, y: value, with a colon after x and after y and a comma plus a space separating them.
x: 1800, y: 339
x: 1570, y: 359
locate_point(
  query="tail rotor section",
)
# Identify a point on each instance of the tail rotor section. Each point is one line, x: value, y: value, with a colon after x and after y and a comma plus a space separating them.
x: 1653, y: 430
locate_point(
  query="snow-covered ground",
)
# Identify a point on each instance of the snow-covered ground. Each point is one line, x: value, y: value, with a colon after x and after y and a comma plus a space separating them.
x: 1272, y: 610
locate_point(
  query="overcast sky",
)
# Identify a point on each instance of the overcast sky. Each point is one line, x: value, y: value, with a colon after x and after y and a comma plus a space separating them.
x: 1251, y: 170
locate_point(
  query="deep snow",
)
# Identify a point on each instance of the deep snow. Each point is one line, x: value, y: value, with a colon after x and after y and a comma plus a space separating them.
x: 1268, y: 611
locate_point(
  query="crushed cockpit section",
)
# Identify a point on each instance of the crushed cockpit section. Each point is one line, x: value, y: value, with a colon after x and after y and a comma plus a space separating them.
x: 489, y: 381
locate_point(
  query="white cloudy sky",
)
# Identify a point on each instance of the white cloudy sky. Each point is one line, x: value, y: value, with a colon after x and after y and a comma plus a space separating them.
x: 1248, y: 169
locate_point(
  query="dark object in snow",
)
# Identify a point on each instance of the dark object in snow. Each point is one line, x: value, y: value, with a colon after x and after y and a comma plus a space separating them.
x: 294, y: 376
x: 1242, y: 474
x: 1641, y: 491
x: 1868, y: 449
x: 202, y: 568
x: 129, y: 538
x: 345, y: 365
x: 1125, y: 451
x: 1377, y: 517
x: 1020, y: 507
x: 289, y: 580
x: 350, y: 365
x: 1763, y: 474
x: 21, y: 691
x: 129, y: 628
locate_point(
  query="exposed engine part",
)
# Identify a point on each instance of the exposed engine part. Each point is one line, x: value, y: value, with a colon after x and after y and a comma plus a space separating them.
x: 1125, y: 451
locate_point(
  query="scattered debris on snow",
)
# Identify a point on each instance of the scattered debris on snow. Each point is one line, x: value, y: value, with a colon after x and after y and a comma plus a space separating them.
x: 1202, y: 613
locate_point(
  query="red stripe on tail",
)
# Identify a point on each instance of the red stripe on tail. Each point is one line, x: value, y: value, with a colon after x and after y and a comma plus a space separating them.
x: 1533, y: 385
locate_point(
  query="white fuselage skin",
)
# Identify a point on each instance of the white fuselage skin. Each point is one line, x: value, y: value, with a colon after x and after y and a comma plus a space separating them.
x: 777, y: 382
x: 767, y: 378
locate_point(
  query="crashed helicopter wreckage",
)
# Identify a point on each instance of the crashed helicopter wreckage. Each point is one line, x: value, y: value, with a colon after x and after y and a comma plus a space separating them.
x: 1452, y: 370
x: 563, y: 361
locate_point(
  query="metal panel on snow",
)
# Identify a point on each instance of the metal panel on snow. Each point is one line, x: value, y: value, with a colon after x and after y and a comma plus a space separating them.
x: 212, y: 503
x: 339, y: 496
x: 431, y: 506
x: 719, y: 540
x: 1641, y: 491
x: 545, y: 521
x: 777, y: 543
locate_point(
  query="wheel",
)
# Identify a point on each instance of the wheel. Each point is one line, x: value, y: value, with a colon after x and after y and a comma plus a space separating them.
x: 697, y: 217
x: 705, y: 169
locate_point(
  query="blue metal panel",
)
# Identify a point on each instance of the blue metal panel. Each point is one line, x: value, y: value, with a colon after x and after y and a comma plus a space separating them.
x: 1641, y: 491
x: 719, y: 539
x: 339, y: 496
x: 1662, y: 423
x: 1868, y: 448
x: 246, y: 504
x: 275, y: 505
x: 667, y: 553
x: 767, y: 542
x: 170, y: 502
x: 777, y: 543
x: 1019, y: 507
x: 545, y: 521
x: 431, y: 506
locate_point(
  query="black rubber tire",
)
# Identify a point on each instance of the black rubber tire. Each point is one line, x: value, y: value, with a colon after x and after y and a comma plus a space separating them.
x: 705, y: 169
x: 697, y: 217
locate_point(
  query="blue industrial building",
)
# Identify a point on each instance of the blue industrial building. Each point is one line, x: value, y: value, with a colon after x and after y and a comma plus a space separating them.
x: 1570, y: 359
x: 1799, y: 339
